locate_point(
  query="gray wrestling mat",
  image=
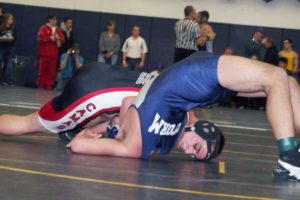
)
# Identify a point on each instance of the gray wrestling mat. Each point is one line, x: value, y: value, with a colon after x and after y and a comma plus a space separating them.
x: 38, y: 166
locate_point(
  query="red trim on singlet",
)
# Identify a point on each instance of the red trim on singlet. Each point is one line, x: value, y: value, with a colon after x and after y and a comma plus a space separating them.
x: 98, y: 113
x: 48, y: 113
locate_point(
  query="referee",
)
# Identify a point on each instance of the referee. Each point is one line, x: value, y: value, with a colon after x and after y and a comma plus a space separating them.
x: 188, y: 35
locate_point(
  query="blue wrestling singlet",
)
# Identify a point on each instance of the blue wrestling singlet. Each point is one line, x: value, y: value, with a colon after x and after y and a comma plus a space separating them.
x: 164, y: 100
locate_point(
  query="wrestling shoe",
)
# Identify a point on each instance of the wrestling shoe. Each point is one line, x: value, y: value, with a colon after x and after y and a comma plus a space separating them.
x: 288, y: 165
x: 67, y: 136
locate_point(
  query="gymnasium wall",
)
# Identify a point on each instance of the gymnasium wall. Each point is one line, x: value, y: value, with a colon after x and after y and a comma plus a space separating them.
x: 158, y: 31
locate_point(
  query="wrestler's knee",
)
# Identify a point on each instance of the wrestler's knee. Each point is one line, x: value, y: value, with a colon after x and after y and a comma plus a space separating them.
x: 278, y: 78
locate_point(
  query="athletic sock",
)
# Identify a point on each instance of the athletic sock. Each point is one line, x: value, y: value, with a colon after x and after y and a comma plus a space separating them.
x: 286, y: 144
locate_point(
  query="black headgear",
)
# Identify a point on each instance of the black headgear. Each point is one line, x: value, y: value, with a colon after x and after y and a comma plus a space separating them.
x: 212, y: 135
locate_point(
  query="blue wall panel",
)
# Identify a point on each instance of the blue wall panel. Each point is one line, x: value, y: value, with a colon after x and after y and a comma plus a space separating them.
x: 162, y: 42
x: 86, y: 32
x: 221, y: 40
x: 33, y: 18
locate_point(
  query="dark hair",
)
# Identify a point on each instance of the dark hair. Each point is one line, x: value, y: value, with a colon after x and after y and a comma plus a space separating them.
x: 282, y: 59
x: 76, y: 46
x: 204, y: 15
x: 111, y: 22
x: 1, y: 6
x: 52, y: 16
x: 289, y: 40
x: 188, y: 10
x: 4, y: 22
x: 66, y: 19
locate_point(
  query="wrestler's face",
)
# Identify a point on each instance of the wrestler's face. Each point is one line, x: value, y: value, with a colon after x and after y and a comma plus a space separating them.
x: 192, y: 144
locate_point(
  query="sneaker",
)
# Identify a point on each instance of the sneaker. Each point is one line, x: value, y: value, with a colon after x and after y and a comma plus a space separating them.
x: 288, y: 165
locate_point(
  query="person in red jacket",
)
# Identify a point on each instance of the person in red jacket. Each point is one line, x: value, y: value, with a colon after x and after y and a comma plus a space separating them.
x: 50, y: 38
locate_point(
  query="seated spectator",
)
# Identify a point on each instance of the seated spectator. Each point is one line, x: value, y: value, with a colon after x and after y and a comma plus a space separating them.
x: 228, y: 51
x: 290, y: 55
x: 66, y: 29
x: 69, y: 63
x: 109, y: 44
x: 271, y: 55
x: 207, y: 31
x: 254, y: 46
x: 283, y: 63
x: 134, y: 51
x: 7, y: 48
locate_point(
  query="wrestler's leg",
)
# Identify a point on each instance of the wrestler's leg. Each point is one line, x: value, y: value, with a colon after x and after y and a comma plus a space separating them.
x: 295, y: 100
x: 246, y: 76
x: 19, y: 125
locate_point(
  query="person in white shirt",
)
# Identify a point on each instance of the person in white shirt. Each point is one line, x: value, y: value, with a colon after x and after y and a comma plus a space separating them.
x: 134, y: 51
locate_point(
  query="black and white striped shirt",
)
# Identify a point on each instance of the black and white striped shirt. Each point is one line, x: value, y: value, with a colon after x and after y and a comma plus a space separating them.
x: 187, y: 31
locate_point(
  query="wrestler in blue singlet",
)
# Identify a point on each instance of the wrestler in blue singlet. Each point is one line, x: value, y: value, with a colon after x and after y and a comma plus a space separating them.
x: 163, y: 101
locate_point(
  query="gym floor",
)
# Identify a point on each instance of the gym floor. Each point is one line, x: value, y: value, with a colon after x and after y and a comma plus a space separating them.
x: 38, y: 166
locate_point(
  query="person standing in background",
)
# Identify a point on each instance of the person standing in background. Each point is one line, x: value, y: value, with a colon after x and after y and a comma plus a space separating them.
x: 109, y: 44
x: 206, y: 30
x: 290, y: 55
x: 66, y: 28
x: 188, y: 35
x: 271, y: 55
x: 134, y: 51
x: 254, y: 46
x: 1, y: 14
x: 7, y: 48
x: 50, y: 38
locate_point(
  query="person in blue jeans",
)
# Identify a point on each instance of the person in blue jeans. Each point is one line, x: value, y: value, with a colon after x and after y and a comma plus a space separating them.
x: 69, y: 63
x: 7, y: 48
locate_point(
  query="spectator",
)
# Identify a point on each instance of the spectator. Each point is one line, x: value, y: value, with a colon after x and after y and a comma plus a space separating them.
x: 228, y: 51
x: 271, y: 55
x: 283, y: 62
x: 134, y: 51
x: 69, y: 63
x: 109, y: 45
x: 290, y: 55
x: 255, y: 47
x: 1, y: 14
x: 7, y: 48
x: 66, y: 27
x: 206, y: 30
x: 188, y: 35
x: 50, y: 38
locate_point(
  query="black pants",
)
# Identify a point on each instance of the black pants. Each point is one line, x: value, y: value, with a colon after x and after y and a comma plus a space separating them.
x: 181, y: 54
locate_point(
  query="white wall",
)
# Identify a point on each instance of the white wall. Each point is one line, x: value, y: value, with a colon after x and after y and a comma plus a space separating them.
x: 278, y: 13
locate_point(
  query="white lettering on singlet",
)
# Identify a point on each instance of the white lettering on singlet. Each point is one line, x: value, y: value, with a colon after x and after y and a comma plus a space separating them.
x: 143, y: 78
x: 161, y: 127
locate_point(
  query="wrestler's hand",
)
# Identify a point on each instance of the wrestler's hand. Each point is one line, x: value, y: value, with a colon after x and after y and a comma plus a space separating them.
x: 89, y: 133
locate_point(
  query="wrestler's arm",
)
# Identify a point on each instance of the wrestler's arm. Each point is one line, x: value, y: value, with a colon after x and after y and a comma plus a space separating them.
x: 84, y: 144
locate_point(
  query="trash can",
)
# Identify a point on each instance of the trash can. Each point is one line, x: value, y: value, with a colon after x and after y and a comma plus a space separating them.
x: 19, y: 66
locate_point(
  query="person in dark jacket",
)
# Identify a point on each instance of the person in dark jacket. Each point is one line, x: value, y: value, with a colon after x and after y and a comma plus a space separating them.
x: 271, y: 55
x: 7, y: 48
